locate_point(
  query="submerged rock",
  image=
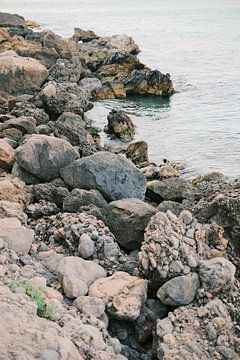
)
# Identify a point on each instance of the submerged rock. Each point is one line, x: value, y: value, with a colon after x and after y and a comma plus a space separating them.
x: 120, y: 125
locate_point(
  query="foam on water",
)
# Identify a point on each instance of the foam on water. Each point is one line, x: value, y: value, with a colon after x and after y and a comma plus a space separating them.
x: 198, y: 43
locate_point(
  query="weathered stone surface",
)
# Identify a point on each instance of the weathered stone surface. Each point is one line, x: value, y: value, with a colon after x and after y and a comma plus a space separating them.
x: 90, y: 305
x: 175, y: 189
x: 13, y: 189
x: 120, y: 125
x: 128, y: 219
x: 17, y: 237
x: 66, y: 48
x: 193, y: 332
x: 172, y: 246
x: 217, y: 274
x: 24, y: 335
x: 49, y: 192
x: 80, y: 197
x: 123, y: 294
x: 24, y: 175
x: 10, y: 20
x: 6, y: 155
x: 84, y: 35
x: 12, y: 209
x: 138, y: 152
x: 4, y: 35
x: 66, y: 70
x: 25, y: 124
x: 19, y: 75
x: 44, y: 156
x: 76, y: 275
x: 108, y: 173
x: 179, y: 291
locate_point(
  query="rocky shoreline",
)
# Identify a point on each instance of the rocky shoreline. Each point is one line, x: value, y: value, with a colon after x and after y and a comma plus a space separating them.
x: 104, y: 254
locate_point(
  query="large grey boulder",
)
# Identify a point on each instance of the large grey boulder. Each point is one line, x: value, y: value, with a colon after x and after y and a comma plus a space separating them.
x: 76, y: 275
x: 108, y: 173
x: 128, y: 219
x: 44, y: 156
x: 179, y: 291
x: 175, y: 189
x: 21, y: 75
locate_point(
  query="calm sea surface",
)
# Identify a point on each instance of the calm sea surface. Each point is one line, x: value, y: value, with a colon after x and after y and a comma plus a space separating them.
x: 197, y: 42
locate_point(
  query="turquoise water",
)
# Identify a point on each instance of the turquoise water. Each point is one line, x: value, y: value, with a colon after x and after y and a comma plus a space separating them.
x: 198, y: 43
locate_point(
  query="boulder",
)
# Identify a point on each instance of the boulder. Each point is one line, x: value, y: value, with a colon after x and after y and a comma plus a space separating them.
x: 80, y: 197
x: 127, y: 219
x: 49, y: 192
x: 16, y: 236
x: 84, y: 35
x: 124, y: 295
x: 44, y: 156
x: 20, y: 107
x: 12, y: 21
x: 66, y: 48
x: 216, y: 275
x: 90, y: 306
x: 175, y: 189
x: 25, y: 124
x: 137, y: 152
x: 76, y: 275
x: 148, y: 82
x: 6, y: 155
x: 120, y: 125
x: 90, y: 85
x: 108, y: 173
x: 20, y: 75
x: 179, y: 291
x: 24, y: 175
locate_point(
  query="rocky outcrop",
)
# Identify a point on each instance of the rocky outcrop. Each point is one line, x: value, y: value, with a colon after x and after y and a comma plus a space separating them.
x: 19, y: 75
x: 108, y: 173
x: 44, y: 156
x: 128, y: 219
x: 120, y: 125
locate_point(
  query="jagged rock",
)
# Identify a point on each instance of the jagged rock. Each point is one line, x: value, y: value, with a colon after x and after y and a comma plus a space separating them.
x: 12, y: 21
x: 83, y: 35
x: 13, y: 189
x: 123, y: 294
x: 66, y: 48
x: 128, y: 219
x: 109, y: 90
x: 66, y: 71
x: 120, y: 125
x: 137, y: 152
x: 27, y: 109
x: 19, y: 75
x: 175, y: 189
x: 216, y: 274
x: 25, y: 124
x: 17, y: 237
x: 76, y: 275
x: 108, y: 173
x: 193, y: 332
x: 150, y: 82
x: 178, y: 291
x: 44, y: 156
x: 50, y: 192
x: 60, y: 97
x: 90, y: 85
x: 6, y: 155
x: 24, y: 335
x: 172, y: 246
x: 80, y: 197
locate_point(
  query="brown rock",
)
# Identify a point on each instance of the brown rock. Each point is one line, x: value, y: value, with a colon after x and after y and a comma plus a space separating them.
x: 13, y: 189
x: 6, y: 155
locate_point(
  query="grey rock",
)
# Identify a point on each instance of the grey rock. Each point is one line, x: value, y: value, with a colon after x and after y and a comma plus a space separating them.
x: 81, y: 197
x: 24, y: 175
x: 108, y: 173
x: 179, y: 291
x: 120, y: 125
x: 90, y: 305
x: 216, y: 274
x: 175, y: 189
x: 86, y: 246
x: 173, y: 206
x: 50, y: 192
x: 44, y: 156
x: 128, y: 219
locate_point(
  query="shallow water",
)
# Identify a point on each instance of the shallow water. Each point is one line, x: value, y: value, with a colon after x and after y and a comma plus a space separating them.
x: 198, y: 44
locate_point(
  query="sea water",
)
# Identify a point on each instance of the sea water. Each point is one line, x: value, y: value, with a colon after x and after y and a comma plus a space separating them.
x: 197, y: 42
